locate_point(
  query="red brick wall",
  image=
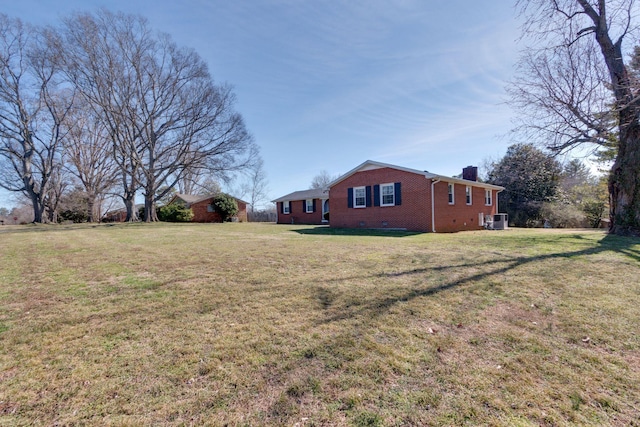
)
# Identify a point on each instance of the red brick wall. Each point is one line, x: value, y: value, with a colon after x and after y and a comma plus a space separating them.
x: 242, y: 212
x: 298, y: 215
x: 414, y: 213
x: 201, y: 214
x: 460, y: 216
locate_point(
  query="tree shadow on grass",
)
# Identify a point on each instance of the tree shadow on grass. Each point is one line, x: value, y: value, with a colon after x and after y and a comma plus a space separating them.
x: 372, y: 232
x: 359, y: 346
x: 626, y: 246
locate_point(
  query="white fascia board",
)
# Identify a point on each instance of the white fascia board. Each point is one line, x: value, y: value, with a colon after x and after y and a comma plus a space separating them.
x: 468, y: 182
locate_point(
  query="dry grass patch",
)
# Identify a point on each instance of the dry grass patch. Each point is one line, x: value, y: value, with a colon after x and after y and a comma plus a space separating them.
x: 256, y: 324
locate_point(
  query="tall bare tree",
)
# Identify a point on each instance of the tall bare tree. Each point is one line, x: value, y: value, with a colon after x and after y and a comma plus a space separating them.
x: 184, y: 119
x: 257, y: 186
x: 88, y: 157
x: 98, y: 53
x: 33, y: 107
x: 159, y: 101
x: 57, y: 186
x: 574, y: 89
x: 322, y: 180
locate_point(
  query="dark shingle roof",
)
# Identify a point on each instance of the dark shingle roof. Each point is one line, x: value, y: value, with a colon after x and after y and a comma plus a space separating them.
x: 190, y: 199
x: 314, y: 193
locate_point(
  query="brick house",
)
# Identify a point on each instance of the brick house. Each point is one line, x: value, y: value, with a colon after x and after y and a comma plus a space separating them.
x: 120, y: 214
x: 202, y: 209
x: 303, y: 207
x: 382, y: 196
x: 379, y: 195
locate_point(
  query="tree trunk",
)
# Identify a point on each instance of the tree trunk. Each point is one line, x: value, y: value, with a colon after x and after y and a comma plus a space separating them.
x: 38, y: 208
x: 624, y: 183
x: 91, y: 201
x: 130, y: 204
x: 150, y: 214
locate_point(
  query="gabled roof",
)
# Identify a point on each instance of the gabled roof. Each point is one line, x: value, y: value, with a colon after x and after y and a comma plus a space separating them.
x: 314, y: 193
x: 371, y: 165
x: 190, y: 199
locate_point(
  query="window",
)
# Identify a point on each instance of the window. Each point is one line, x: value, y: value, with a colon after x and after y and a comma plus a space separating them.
x: 387, y: 195
x: 210, y: 208
x: 468, y: 194
x: 285, y: 208
x: 452, y: 199
x: 359, y: 197
x: 309, y: 206
x: 487, y: 197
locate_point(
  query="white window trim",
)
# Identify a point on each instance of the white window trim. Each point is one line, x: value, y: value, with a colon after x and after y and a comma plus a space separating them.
x: 355, y: 198
x: 468, y: 194
x: 308, y: 206
x: 393, y: 193
x: 488, y: 199
x: 451, y: 186
x: 286, y: 208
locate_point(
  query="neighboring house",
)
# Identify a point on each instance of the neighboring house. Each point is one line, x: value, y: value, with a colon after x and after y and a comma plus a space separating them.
x: 303, y: 207
x: 119, y: 215
x: 379, y: 195
x: 203, y: 210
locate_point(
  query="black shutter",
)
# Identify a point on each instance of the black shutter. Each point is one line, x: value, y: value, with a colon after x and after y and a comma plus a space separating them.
x: 282, y: 207
x: 376, y: 195
x: 304, y: 206
x: 350, y: 197
x: 314, y: 205
x: 368, y: 195
x: 398, y: 192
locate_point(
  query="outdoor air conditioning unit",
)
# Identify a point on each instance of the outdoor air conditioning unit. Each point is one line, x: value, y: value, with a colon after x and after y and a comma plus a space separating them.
x: 500, y: 221
x: 485, y: 221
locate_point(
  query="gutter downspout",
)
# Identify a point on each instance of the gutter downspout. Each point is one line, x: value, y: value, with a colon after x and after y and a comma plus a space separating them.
x: 497, y: 194
x: 433, y: 208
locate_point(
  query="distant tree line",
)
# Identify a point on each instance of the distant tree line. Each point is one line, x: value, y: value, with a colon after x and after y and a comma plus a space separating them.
x: 102, y: 106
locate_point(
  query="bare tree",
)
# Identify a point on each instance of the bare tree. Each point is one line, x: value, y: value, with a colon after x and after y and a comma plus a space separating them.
x: 574, y: 89
x: 58, y: 184
x: 33, y: 107
x: 207, y: 186
x: 98, y: 53
x: 88, y: 157
x: 200, y: 183
x: 257, y: 186
x: 184, y: 119
x: 322, y: 180
x: 161, y: 106
x: 190, y: 180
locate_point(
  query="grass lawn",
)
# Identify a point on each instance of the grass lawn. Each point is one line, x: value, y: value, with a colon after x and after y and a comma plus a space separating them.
x: 259, y: 324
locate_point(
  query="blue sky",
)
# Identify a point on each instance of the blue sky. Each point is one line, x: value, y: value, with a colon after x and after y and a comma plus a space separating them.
x: 326, y: 85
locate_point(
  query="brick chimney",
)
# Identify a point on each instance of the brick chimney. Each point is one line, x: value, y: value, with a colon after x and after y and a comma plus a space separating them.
x: 470, y: 173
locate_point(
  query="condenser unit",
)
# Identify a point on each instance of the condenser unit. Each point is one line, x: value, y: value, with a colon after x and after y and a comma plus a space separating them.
x: 500, y: 221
